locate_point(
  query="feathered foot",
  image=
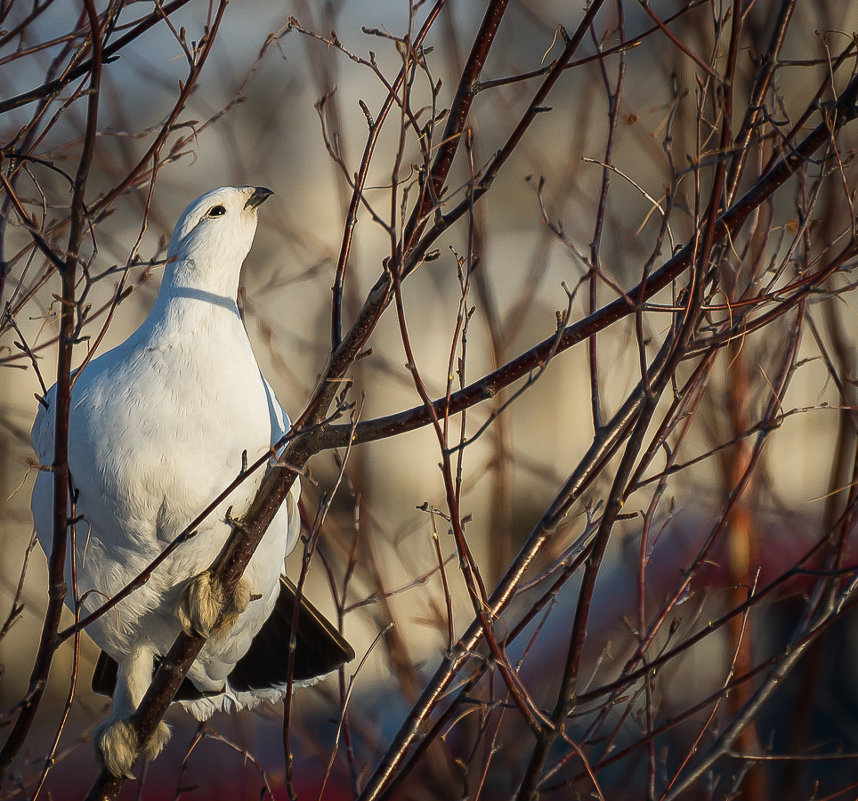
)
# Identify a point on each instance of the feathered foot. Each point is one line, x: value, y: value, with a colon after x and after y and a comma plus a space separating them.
x: 155, y: 744
x: 117, y: 748
x: 203, y: 610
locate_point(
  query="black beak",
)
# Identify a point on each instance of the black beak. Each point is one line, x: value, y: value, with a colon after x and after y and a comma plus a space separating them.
x: 259, y: 196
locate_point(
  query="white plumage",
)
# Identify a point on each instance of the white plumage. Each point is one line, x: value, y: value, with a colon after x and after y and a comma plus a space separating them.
x: 159, y: 426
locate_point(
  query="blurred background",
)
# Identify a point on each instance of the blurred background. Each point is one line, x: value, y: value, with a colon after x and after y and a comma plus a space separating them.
x: 255, y: 117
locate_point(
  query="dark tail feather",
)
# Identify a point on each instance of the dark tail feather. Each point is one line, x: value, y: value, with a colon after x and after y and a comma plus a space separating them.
x: 320, y: 648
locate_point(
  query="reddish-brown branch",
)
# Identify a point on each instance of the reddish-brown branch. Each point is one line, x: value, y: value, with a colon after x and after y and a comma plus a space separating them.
x: 416, y: 251
x: 614, y: 97
x: 62, y: 482
x: 728, y: 222
x: 430, y: 190
x: 104, y: 56
x: 753, y: 114
x: 717, y: 231
x: 360, y: 181
x: 273, y: 491
x: 187, y: 86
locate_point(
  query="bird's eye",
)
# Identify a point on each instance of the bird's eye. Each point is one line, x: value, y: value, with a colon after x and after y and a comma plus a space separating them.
x: 217, y: 211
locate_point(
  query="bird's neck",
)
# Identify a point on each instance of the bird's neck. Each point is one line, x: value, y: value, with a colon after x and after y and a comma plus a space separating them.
x: 191, y: 303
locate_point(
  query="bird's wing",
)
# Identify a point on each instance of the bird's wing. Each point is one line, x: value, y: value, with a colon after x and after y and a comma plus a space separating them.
x: 280, y: 422
x: 41, y: 501
x: 42, y: 433
x: 280, y: 425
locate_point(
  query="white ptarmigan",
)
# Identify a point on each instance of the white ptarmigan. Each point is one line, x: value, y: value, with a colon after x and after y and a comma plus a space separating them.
x: 159, y: 426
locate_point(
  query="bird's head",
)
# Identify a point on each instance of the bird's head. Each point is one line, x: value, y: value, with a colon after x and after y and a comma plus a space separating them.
x: 213, y: 236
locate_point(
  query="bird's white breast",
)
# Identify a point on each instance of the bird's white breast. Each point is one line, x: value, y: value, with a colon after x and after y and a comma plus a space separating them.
x: 158, y: 428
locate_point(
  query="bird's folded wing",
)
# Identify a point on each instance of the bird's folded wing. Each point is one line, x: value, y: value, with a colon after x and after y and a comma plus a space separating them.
x: 320, y: 649
x: 42, y: 433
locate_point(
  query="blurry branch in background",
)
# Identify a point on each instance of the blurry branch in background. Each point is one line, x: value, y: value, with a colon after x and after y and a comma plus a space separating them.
x: 689, y: 314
